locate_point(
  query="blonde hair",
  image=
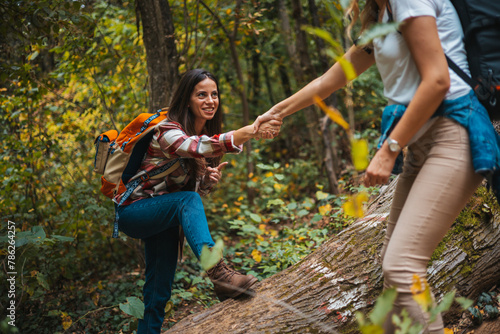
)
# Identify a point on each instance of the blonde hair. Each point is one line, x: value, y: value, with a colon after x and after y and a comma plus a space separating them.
x: 369, y: 15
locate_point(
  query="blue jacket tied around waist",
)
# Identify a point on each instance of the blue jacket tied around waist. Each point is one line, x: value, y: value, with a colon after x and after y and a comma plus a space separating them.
x: 470, y: 113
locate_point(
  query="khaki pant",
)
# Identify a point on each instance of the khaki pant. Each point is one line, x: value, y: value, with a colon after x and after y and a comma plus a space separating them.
x: 437, y: 181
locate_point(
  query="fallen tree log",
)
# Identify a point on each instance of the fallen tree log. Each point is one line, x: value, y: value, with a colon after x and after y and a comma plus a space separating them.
x: 322, y: 292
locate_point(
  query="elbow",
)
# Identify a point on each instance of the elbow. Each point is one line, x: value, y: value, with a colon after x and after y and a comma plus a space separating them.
x: 440, y: 83
x: 443, y: 84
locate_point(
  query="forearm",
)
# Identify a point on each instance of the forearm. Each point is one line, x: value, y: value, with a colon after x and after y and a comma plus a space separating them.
x: 243, y: 135
x: 426, y: 100
x: 328, y: 83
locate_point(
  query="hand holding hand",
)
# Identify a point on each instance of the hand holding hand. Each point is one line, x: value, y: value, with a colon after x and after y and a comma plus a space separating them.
x: 214, y: 174
x: 268, y: 129
x: 271, y: 114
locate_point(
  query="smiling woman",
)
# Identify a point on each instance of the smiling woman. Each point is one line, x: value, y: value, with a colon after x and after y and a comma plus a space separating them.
x: 159, y: 209
x: 204, y: 103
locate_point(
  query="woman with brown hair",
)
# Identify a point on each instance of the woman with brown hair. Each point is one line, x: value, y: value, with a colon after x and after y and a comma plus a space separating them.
x: 158, y: 208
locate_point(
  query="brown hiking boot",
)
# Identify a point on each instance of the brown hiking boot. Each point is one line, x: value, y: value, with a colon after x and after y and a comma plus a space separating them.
x: 229, y: 283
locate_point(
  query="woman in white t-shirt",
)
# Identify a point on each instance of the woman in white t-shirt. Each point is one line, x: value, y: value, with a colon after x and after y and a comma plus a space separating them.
x: 429, y: 111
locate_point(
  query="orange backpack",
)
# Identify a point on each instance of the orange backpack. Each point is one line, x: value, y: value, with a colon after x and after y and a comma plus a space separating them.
x: 119, y: 156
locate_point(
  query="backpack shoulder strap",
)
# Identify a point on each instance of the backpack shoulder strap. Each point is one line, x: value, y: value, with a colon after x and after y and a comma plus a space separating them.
x: 451, y: 64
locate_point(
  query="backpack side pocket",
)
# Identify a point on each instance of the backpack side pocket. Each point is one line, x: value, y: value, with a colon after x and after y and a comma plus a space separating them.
x: 103, y: 143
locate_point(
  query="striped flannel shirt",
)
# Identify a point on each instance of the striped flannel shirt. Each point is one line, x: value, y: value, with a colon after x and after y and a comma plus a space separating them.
x: 171, y: 142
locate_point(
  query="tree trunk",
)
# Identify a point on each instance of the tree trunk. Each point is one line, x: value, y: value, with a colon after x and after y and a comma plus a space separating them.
x: 321, y: 293
x: 161, y: 53
x: 331, y: 159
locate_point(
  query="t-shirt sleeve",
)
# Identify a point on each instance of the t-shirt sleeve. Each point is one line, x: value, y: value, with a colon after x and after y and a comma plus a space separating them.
x: 405, y: 9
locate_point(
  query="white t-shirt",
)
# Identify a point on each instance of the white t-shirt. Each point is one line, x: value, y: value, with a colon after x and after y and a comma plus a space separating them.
x: 395, y: 62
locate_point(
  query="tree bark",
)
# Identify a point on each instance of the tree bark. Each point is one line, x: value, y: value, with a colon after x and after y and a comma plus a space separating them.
x: 321, y: 293
x: 161, y: 53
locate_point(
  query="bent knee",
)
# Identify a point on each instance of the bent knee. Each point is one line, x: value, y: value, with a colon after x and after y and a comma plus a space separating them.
x: 193, y: 199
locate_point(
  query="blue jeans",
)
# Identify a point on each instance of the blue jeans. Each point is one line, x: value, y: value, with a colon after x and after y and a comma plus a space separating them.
x: 156, y: 220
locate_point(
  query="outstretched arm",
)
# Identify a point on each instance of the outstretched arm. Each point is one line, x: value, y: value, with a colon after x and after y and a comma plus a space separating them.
x: 323, y: 86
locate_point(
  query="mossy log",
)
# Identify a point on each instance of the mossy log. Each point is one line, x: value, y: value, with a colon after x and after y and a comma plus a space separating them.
x: 321, y: 293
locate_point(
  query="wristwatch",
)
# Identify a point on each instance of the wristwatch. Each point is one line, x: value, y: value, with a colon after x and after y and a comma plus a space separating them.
x: 393, y: 145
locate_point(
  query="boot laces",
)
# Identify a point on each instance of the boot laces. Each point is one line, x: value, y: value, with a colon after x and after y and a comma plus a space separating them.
x: 226, y: 271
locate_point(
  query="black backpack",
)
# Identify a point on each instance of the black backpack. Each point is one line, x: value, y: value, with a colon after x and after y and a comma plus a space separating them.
x: 481, y: 25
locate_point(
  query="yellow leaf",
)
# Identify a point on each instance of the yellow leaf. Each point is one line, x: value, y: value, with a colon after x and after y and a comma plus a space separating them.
x: 268, y: 174
x: 277, y: 186
x: 421, y: 292
x: 354, y: 205
x: 448, y: 331
x: 95, y: 299
x: 66, y: 320
x: 262, y: 227
x: 323, y: 210
x: 359, y: 154
x: 321, y: 195
x: 331, y: 112
x: 350, y: 72
x: 228, y: 11
x: 257, y: 255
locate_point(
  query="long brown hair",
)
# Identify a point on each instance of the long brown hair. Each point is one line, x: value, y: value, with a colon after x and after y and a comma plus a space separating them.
x: 369, y: 15
x: 180, y: 112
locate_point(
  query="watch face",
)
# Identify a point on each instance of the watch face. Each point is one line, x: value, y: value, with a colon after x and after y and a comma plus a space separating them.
x: 393, y: 145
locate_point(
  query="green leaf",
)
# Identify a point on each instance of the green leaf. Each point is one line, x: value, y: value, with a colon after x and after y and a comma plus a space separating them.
x: 276, y: 201
x: 255, y: 218
x: 379, y: 30
x: 321, y: 195
x: 316, y: 218
x: 465, y: 303
x: 42, y: 281
x: 36, y: 235
x: 383, y: 306
x: 33, y: 55
x: 265, y: 167
x: 211, y: 256
x: 323, y: 34
x: 134, y: 307
x: 63, y: 238
x: 302, y: 213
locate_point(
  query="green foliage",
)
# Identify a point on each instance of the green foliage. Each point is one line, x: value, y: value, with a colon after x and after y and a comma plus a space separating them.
x: 210, y: 257
x: 403, y: 323
x: 134, y: 307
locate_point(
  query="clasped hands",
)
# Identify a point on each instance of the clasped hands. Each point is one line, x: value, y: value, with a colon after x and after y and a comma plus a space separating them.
x: 267, y: 126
